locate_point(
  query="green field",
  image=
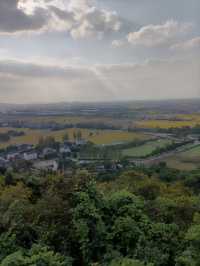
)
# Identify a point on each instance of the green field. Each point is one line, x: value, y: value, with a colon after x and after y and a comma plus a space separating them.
x: 95, y: 136
x: 146, y: 149
x: 187, y: 160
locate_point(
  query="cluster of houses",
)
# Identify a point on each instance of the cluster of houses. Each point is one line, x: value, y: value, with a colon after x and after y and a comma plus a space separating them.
x: 63, y: 157
x: 41, y: 158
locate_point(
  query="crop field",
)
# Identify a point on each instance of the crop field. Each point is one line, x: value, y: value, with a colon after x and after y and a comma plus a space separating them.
x: 188, y: 160
x: 70, y: 119
x: 185, y: 120
x: 95, y: 136
x: 146, y: 149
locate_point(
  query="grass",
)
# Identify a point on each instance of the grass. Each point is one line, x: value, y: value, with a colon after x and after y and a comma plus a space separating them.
x: 193, y: 153
x: 187, y: 160
x: 146, y: 149
x: 95, y: 136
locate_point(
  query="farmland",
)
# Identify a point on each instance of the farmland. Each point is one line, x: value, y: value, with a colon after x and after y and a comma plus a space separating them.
x: 187, y: 160
x: 95, y: 136
x: 146, y: 149
x: 180, y: 121
x: 132, y: 126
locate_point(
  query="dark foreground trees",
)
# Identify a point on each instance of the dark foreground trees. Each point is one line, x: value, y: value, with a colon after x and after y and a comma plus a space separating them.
x: 136, y: 220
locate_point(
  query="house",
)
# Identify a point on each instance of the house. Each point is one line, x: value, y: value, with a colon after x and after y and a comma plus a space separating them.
x: 47, y: 165
x: 100, y: 168
x: 30, y: 156
x: 3, y: 162
x: 81, y: 142
x: 24, y: 147
x: 49, y: 152
x: 13, y: 156
x: 64, y: 149
x: 68, y: 143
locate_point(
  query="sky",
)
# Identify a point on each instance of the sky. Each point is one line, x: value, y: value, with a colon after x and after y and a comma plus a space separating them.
x: 99, y: 50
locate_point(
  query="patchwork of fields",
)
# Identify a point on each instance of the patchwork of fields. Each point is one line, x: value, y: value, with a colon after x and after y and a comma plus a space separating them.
x: 182, y: 121
x: 95, y: 136
x: 187, y: 160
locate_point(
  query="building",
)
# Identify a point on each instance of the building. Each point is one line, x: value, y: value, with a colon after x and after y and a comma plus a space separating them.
x: 13, y: 156
x: 81, y: 142
x: 64, y: 149
x: 46, y: 165
x: 49, y: 152
x: 30, y: 156
x: 3, y: 162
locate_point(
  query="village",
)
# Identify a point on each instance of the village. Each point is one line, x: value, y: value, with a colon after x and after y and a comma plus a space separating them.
x: 51, y: 156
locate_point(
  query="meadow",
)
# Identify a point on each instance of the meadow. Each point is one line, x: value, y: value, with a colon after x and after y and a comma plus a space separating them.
x: 146, y: 149
x: 99, y: 137
x: 187, y: 160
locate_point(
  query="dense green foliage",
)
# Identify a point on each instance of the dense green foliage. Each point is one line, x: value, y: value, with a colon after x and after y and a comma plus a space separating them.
x: 142, y: 217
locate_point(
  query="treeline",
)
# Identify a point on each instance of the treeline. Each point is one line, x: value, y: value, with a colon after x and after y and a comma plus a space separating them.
x: 136, y: 220
x: 108, y: 152
x: 54, y: 126
x: 178, y: 131
x: 4, y: 137
x: 182, y: 131
x: 170, y: 147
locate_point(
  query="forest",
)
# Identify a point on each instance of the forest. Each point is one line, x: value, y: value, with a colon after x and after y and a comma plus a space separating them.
x: 146, y: 216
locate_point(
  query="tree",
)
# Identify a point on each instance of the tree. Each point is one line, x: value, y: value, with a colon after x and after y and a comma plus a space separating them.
x: 159, y: 245
x: 8, y: 245
x: 128, y: 262
x: 9, y: 179
x: 88, y: 228
x: 191, y: 255
x: 128, y: 223
x: 79, y: 135
x: 37, y: 256
x: 74, y: 135
x: 65, y: 137
x: 49, y: 141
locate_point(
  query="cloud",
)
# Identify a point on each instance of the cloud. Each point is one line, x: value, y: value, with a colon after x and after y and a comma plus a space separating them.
x: 118, y: 43
x: 188, y: 45
x: 158, y: 35
x: 81, y: 18
x: 13, y: 19
x: 90, y: 21
x: 32, y: 70
x: 29, y: 82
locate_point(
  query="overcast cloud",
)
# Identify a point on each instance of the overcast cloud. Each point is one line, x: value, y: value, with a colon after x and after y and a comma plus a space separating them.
x: 95, y: 50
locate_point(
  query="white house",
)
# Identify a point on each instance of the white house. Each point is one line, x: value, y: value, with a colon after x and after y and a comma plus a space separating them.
x: 46, y: 165
x: 30, y: 156
x: 65, y: 149
x: 81, y: 142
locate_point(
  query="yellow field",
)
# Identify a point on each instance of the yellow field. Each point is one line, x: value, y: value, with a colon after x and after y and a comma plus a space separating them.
x: 95, y: 136
x: 187, y: 120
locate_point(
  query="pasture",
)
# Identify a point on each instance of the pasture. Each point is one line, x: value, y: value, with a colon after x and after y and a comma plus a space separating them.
x: 187, y: 160
x: 146, y: 149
